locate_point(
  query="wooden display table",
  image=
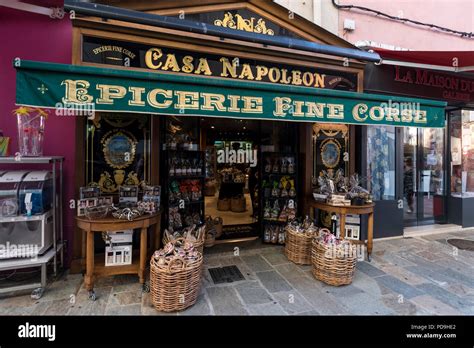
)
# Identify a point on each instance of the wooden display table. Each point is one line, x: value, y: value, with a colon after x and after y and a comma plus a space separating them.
x: 343, y: 211
x: 95, y: 264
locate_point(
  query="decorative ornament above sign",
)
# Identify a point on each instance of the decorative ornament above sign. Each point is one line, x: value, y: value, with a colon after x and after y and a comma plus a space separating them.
x: 239, y: 23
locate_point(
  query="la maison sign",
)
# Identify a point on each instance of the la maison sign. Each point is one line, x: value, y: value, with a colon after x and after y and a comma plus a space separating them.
x: 153, y: 93
x: 448, y: 86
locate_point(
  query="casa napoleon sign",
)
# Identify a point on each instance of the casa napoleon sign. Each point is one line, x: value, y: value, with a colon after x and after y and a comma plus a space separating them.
x: 172, y: 60
x: 73, y: 87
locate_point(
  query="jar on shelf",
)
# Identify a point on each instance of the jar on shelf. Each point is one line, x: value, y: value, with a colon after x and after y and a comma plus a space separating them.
x: 30, y: 124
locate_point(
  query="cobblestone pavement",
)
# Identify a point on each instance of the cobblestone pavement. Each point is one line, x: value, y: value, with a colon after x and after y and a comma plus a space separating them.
x: 410, y: 276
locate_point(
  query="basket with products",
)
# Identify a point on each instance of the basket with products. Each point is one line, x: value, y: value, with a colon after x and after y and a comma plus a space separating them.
x: 175, y: 276
x: 298, y: 242
x: 337, y: 189
x: 193, y: 234
x: 333, y: 259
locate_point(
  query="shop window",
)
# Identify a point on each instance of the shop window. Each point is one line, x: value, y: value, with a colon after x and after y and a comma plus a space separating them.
x: 331, y: 148
x: 117, y: 151
x: 462, y: 153
x: 381, y: 162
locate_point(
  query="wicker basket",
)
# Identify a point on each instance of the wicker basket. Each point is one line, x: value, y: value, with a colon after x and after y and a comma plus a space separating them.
x: 210, y: 240
x: 198, y: 244
x: 210, y: 189
x: 176, y: 286
x: 333, y: 266
x: 218, y: 225
x: 237, y: 204
x: 298, y: 247
x: 223, y: 204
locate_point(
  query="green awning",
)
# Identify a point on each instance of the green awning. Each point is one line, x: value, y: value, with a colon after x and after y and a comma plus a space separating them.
x: 78, y: 89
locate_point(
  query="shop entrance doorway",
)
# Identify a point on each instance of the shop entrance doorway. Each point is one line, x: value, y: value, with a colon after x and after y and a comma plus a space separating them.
x: 244, y: 174
x: 424, y: 191
x: 232, y: 166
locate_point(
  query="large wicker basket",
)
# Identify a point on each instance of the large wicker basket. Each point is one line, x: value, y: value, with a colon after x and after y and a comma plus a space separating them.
x: 298, y: 247
x: 176, y: 286
x: 223, y: 204
x: 238, y: 204
x: 333, y: 266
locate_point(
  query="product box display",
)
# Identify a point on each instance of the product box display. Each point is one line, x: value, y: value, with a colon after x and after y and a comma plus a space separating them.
x: 36, y: 193
x: 118, y: 248
x: 9, y: 192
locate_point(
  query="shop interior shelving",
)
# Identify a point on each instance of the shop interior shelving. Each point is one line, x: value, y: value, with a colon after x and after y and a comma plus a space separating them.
x: 276, y: 176
x: 190, y: 206
x: 56, y: 166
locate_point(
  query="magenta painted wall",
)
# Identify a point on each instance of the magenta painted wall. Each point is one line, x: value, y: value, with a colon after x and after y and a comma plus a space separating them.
x: 453, y: 14
x: 37, y: 37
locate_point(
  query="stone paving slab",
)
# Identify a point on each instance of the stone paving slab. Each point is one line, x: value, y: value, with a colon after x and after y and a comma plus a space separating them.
x: 224, y: 301
x: 273, y: 282
x: 368, y: 269
x: 292, y: 302
x: 364, y: 304
x: 135, y: 309
x: 84, y: 306
x: 462, y: 304
x: 434, y: 306
x: 201, y: 307
x: 267, y: 309
x: 403, y: 274
x: 125, y: 298
x: 402, y: 306
x: 276, y: 259
x: 256, y: 263
x: 398, y: 286
x: 289, y: 271
x: 253, y: 293
x: 324, y: 303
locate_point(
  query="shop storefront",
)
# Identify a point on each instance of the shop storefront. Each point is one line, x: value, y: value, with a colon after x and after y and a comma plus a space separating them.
x: 436, y: 184
x: 229, y: 128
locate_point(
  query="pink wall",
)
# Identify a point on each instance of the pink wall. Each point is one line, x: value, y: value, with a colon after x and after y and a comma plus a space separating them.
x: 453, y: 14
x: 37, y: 37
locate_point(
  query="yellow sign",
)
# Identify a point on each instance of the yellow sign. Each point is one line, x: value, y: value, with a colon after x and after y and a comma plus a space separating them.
x: 239, y: 23
x: 79, y: 92
x: 157, y: 59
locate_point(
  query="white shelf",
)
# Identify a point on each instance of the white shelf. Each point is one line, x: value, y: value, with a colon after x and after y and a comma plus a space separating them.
x: 21, y: 218
x: 31, y: 160
x: 29, y: 262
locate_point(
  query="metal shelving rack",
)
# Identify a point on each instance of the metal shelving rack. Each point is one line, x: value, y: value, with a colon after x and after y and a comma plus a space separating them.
x: 56, y: 163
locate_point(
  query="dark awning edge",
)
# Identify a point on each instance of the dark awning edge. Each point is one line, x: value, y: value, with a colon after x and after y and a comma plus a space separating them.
x: 49, y: 85
x: 118, y: 13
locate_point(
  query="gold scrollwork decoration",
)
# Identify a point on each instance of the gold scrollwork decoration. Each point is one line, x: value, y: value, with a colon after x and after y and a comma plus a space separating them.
x: 227, y: 22
x: 330, y: 129
x: 240, y: 23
